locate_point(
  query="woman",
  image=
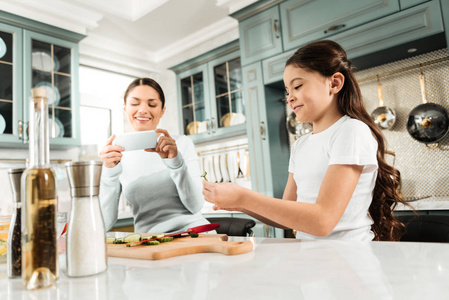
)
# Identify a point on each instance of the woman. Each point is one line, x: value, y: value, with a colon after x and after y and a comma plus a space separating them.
x: 339, y: 185
x: 163, y: 185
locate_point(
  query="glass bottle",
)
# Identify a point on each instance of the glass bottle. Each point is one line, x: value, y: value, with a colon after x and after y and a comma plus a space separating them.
x: 39, y: 242
x: 86, y: 235
x: 14, y: 252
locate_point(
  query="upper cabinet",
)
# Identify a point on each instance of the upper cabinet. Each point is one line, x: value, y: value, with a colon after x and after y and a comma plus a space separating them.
x: 38, y: 56
x: 210, y: 95
x: 260, y: 36
x: 305, y: 21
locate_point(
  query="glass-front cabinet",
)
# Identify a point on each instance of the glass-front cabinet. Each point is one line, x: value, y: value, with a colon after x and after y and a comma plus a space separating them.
x: 210, y: 94
x: 30, y: 59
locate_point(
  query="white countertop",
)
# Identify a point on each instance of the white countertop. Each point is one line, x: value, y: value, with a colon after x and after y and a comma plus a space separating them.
x: 276, y: 269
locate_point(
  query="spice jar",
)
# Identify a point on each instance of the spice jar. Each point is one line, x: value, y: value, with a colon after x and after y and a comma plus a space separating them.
x: 86, y: 235
x: 14, y: 252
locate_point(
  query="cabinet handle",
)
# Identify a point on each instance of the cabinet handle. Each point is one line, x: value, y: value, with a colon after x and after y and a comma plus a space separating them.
x: 275, y: 28
x: 212, y: 124
x: 335, y: 27
x: 208, y: 126
x: 28, y: 131
x: 262, y: 135
x: 20, y: 129
x: 267, y: 230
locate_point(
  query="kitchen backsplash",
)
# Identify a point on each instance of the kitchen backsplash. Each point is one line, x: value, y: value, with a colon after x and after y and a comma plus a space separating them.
x: 425, y: 172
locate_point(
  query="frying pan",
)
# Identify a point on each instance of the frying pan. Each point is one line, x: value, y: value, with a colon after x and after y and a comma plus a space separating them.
x: 297, y: 128
x: 383, y: 116
x: 428, y: 122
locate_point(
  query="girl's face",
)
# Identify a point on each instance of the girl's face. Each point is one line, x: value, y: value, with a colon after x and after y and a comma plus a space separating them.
x: 310, y: 95
x: 144, y: 108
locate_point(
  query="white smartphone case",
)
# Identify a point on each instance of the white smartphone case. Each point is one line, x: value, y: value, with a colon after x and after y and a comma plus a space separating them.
x: 136, y: 140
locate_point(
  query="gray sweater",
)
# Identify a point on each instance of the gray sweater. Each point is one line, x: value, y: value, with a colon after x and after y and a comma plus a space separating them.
x: 165, y: 194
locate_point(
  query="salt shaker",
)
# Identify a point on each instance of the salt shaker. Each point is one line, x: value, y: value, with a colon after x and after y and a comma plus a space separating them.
x: 14, y: 252
x: 86, y: 235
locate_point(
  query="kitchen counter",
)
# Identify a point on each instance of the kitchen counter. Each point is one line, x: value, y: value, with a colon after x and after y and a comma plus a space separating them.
x: 276, y: 269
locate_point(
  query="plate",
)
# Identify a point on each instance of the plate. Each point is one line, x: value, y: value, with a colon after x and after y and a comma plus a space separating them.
x: 2, y: 124
x: 2, y: 48
x: 58, y: 129
x: 193, y: 127
x: 42, y: 60
x: 51, y: 92
x: 231, y: 119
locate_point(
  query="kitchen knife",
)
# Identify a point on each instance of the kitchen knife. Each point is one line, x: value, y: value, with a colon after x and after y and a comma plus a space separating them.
x: 197, y: 229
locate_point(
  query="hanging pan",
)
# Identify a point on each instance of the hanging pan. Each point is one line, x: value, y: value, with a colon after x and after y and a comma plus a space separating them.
x: 428, y: 123
x: 297, y: 128
x: 383, y: 116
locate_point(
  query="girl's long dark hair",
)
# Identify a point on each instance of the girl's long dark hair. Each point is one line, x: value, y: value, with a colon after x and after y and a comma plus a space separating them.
x: 327, y: 58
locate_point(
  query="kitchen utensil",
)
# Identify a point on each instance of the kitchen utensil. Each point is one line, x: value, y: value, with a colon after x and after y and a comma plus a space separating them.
x: 56, y: 127
x: 217, y: 168
x: 383, y: 116
x: 2, y: 48
x: 192, y: 127
x: 2, y: 124
x: 41, y: 60
x: 428, y: 123
x: 297, y: 128
x: 51, y: 91
x: 239, y: 170
x: 207, y: 243
x: 196, y: 229
x: 224, y: 167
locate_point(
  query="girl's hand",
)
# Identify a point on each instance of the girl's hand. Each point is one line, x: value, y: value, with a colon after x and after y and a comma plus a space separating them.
x: 166, y: 146
x: 111, y: 155
x: 223, y: 195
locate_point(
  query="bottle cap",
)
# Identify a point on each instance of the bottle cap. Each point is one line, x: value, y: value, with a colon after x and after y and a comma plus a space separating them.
x: 14, y: 178
x: 38, y: 93
x: 84, y: 178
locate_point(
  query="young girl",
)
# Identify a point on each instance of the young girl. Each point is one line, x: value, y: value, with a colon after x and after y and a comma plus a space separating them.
x: 339, y: 185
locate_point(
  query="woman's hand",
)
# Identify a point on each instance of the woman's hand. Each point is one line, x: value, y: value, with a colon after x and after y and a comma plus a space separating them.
x: 166, y: 146
x: 111, y: 155
x: 227, y: 196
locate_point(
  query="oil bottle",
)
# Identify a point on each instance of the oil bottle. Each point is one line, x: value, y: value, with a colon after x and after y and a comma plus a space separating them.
x: 39, y: 241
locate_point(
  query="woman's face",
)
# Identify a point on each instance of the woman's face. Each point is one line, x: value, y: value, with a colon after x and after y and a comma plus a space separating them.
x: 309, y: 94
x: 144, y: 108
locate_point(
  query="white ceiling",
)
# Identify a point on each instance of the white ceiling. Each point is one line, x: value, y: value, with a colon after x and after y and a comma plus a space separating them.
x: 135, y: 36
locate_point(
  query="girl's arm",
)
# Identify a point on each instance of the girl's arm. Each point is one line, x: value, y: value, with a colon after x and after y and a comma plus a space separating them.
x: 289, y: 195
x: 318, y: 219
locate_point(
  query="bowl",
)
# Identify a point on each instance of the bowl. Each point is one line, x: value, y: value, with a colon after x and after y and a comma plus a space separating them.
x: 4, y: 229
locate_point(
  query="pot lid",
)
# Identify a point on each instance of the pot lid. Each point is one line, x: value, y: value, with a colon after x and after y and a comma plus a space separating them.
x: 428, y: 123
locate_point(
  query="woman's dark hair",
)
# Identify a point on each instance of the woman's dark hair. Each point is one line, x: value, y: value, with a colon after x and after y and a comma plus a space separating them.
x: 146, y: 81
x: 327, y: 58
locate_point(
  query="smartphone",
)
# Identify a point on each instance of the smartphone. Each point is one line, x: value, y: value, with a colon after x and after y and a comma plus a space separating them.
x: 136, y: 140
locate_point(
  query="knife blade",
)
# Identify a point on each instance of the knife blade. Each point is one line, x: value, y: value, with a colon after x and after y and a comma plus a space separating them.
x: 197, y: 229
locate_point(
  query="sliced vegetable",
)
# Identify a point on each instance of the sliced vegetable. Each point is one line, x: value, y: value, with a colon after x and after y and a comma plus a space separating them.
x: 135, y: 237
x: 119, y: 241
x: 194, y: 235
x: 110, y: 240
x: 166, y: 239
x: 204, y: 175
x: 153, y: 243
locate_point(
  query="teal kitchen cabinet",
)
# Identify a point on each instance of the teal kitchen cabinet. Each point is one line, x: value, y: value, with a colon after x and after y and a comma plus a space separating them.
x: 306, y: 21
x: 406, y: 26
x: 267, y: 138
x: 38, y: 55
x: 260, y: 36
x: 210, y: 93
x: 409, y: 3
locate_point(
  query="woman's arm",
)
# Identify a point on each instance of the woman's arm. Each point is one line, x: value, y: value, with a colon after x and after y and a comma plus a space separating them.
x: 318, y: 219
x: 110, y: 190
x: 185, y: 172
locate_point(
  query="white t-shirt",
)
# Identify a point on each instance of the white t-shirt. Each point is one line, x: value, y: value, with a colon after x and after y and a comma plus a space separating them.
x: 347, y: 142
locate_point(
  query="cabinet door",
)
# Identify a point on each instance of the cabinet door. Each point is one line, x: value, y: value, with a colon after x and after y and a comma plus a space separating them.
x: 11, y: 104
x: 309, y: 20
x: 227, y: 106
x: 260, y: 36
x: 409, y: 3
x: 194, y: 109
x: 406, y: 26
x: 52, y: 64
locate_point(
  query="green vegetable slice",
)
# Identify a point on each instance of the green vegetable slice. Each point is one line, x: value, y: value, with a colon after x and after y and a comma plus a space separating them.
x: 110, y: 240
x: 153, y: 243
x: 166, y: 239
x: 193, y: 234
x: 135, y: 237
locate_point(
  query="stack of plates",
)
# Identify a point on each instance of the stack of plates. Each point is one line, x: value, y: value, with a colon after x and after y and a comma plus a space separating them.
x: 41, y: 60
x: 56, y: 127
x: 231, y: 119
x: 2, y: 48
x: 51, y: 92
x: 2, y: 124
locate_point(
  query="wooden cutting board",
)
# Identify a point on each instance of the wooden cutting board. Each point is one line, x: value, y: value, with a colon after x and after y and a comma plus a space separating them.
x: 205, y: 243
